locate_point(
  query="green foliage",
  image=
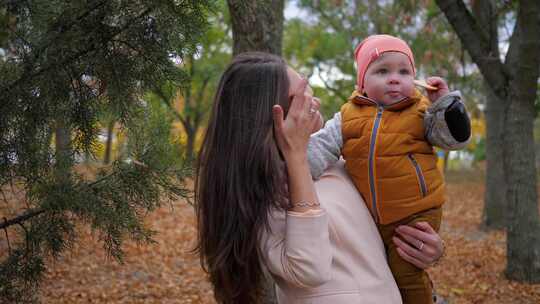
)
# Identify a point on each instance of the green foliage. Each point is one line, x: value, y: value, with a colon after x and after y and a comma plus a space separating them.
x: 202, y: 68
x: 149, y: 134
x: 479, y: 152
x: 62, y: 63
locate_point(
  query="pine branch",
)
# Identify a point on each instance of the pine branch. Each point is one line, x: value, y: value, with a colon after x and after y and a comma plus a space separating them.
x: 21, y: 218
x: 61, y: 30
x: 35, y: 212
x: 28, y: 76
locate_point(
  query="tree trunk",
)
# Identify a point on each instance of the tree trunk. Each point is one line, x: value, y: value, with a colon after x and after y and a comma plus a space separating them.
x: 108, y: 144
x: 257, y: 25
x: 514, y: 82
x: 190, y: 145
x: 523, y: 238
x: 495, y: 211
x: 494, y: 214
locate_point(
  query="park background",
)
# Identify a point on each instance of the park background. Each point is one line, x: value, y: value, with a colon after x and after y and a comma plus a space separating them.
x: 103, y: 105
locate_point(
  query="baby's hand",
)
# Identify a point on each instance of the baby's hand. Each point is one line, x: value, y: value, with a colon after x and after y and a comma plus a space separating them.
x: 440, y: 84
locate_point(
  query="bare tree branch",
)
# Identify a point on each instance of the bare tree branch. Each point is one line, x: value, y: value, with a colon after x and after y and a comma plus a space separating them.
x: 473, y: 38
x: 337, y: 92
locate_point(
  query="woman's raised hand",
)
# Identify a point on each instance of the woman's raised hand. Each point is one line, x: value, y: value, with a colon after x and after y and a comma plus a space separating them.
x: 292, y: 133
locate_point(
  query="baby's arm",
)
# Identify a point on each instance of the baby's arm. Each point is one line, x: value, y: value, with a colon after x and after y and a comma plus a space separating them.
x: 325, y: 146
x: 447, y: 123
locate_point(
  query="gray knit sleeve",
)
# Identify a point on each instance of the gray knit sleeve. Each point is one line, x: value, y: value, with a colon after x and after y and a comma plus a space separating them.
x: 436, y: 128
x: 324, y: 147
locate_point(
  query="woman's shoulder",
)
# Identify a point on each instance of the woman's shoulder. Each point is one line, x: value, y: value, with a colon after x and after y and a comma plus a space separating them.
x: 335, y: 176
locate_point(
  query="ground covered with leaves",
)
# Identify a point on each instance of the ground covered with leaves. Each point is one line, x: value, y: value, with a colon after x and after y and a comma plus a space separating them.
x: 169, y: 272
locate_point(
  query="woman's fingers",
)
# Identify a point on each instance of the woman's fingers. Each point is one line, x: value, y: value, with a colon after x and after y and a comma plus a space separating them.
x: 436, y: 241
x: 409, y: 258
x: 277, y: 113
x: 428, y: 237
x: 315, y: 106
x: 415, y: 248
x: 424, y: 226
x: 298, y: 102
x: 302, y: 87
x: 418, y: 249
x: 423, y: 232
x: 316, y: 102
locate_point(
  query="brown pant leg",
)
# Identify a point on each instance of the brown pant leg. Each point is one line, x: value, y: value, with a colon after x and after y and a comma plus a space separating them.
x: 414, y: 283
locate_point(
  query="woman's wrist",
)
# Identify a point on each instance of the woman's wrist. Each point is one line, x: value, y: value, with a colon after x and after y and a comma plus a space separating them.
x: 295, y: 158
x: 304, y: 206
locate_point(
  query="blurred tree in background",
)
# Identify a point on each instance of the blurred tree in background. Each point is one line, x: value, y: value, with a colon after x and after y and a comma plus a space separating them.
x: 191, y: 100
x: 61, y: 63
x: 323, y: 43
x: 257, y: 25
x: 513, y: 83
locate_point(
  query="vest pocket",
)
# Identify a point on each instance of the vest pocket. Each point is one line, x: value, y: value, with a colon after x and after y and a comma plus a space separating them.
x: 419, y: 174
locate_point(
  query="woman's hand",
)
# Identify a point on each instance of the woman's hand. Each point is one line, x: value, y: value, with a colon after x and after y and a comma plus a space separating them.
x: 419, y: 245
x: 292, y: 133
x: 440, y: 84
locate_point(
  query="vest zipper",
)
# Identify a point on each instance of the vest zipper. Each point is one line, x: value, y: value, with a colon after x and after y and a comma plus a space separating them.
x: 371, y: 162
x: 419, y: 175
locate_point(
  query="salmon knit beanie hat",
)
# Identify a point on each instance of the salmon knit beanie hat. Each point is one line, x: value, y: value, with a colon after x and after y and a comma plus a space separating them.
x: 371, y: 48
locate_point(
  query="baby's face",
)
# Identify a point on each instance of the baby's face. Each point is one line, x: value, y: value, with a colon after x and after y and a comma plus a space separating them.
x: 389, y: 78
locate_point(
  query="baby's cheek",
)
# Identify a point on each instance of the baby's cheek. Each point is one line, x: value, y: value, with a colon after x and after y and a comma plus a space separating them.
x: 408, y: 88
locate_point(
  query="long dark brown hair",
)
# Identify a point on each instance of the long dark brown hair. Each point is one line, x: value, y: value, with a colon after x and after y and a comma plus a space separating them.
x: 240, y: 175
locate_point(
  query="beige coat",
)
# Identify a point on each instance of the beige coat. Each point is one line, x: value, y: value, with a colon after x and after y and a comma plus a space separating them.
x: 334, y: 256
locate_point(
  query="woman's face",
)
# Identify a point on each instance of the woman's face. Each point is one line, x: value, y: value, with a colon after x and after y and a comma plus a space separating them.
x: 295, y: 85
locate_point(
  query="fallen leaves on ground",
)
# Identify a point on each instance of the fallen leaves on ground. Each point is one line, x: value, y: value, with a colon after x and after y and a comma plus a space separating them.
x: 472, y: 270
x: 169, y: 272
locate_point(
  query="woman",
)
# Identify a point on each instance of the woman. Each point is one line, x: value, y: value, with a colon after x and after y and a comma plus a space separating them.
x: 257, y: 205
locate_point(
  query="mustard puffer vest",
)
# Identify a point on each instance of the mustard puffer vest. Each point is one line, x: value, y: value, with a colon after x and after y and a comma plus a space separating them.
x: 389, y: 158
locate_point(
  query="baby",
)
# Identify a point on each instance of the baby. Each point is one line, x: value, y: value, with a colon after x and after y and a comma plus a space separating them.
x: 386, y: 133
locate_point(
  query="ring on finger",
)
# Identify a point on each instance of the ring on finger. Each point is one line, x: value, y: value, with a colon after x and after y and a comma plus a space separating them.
x: 421, y: 246
x: 312, y: 111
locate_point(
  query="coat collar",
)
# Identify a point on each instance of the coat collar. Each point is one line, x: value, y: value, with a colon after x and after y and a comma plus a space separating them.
x: 363, y: 100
